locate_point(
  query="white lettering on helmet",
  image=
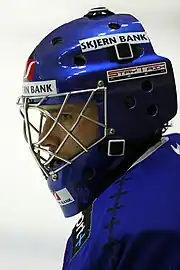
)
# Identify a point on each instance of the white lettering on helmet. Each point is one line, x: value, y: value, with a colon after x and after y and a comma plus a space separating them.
x: 101, y: 42
x: 41, y: 88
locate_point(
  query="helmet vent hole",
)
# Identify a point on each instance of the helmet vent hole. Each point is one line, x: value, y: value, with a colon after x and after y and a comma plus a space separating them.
x: 152, y: 110
x: 79, y: 60
x: 130, y: 102
x: 147, y: 86
x: 57, y: 40
x: 114, y: 26
x: 98, y: 13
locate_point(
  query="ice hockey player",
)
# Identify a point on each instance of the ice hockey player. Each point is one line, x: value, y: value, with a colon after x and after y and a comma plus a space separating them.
x: 104, y: 100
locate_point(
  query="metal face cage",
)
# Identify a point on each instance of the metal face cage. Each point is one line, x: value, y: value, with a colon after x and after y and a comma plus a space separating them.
x: 33, y: 125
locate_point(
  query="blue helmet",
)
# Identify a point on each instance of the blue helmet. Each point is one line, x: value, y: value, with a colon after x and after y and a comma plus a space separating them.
x: 106, y: 58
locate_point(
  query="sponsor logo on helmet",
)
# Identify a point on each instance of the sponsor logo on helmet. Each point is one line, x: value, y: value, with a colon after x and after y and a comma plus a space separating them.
x: 42, y: 88
x: 63, y: 197
x: 101, y: 42
x: 29, y: 71
x: 136, y: 72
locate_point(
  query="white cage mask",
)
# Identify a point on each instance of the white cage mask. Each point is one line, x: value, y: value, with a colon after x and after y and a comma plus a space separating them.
x: 37, y: 116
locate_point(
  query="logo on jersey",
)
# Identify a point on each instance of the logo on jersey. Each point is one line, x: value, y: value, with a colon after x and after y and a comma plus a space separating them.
x: 63, y: 197
x: 29, y: 71
x: 101, y: 42
x: 135, y: 72
x: 176, y: 149
x: 81, y: 231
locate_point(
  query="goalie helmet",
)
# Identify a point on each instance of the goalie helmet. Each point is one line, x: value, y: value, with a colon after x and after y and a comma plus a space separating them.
x: 106, y: 59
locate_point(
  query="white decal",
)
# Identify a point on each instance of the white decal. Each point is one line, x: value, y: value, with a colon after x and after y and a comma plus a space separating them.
x: 63, y: 197
x: 176, y: 149
x: 29, y: 69
x: 41, y: 88
x: 80, y: 226
x: 136, y: 72
x: 100, y: 42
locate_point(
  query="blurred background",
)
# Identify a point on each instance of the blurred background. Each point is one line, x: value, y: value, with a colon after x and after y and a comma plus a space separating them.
x: 33, y: 231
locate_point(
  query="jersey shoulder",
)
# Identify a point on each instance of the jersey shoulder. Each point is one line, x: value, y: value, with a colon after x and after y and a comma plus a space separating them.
x: 174, y: 137
x: 173, y: 144
x: 166, y: 150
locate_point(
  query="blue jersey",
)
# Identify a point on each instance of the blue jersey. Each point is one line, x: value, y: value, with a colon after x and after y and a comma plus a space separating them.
x: 135, y: 223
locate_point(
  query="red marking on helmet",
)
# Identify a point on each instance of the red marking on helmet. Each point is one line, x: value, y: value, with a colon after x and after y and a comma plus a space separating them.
x: 57, y: 197
x: 30, y: 68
